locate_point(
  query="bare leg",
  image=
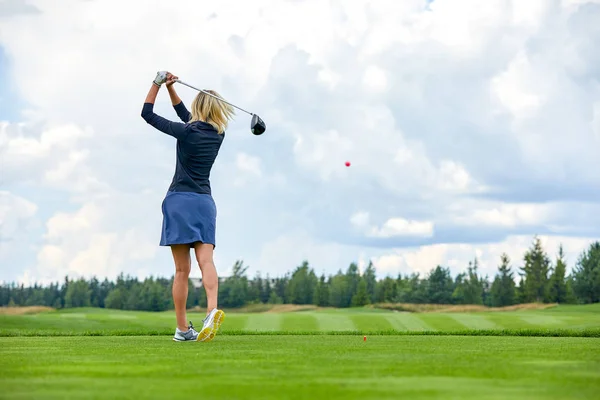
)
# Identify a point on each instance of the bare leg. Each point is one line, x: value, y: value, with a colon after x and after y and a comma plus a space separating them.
x: 181, y: 257
x: 210, y: 280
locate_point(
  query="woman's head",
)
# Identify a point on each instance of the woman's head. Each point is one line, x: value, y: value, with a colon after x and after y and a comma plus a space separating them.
x: 212, y: 111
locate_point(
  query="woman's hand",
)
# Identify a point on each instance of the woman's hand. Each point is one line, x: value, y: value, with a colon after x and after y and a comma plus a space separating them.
x: 161, y: 77
x: 171, y: 79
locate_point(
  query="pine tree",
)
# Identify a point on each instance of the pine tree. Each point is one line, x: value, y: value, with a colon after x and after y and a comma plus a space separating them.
x: 586, y: 275
x: 361, y: 297
x: 458, y: 296
x: 558, y: 284
x: 570, y: 297
x: 371, y: 279
x: 520, y: 291
x: 473, y: 291
x: 440, y: 286
x: 535, y: 273
x: 352, y: 279
x: 321, y: 298
x: 503, y: 289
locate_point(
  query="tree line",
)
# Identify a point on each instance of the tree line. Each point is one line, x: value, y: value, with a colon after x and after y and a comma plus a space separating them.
x: 539, y: 278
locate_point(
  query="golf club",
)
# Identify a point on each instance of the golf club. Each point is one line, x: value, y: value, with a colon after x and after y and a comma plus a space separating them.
x: 257, y: 125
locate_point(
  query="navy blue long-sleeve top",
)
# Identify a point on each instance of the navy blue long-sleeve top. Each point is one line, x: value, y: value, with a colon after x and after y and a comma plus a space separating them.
x: 198, y: 145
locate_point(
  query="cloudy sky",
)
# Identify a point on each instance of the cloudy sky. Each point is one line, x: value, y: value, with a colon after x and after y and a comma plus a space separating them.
x: 470, y: 129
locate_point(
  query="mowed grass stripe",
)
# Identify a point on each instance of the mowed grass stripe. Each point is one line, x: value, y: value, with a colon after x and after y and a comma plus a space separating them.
x: 234, y: 322
x: 334, y: 322
x: 298, y: 321
x: 441, y: 322
x: 542, y: 320
x: 263, y: 322
x: 508, y: 320
x: 475, y: 321
x: 408, y: 322
x: 396, y: 323
x: 371, y: 322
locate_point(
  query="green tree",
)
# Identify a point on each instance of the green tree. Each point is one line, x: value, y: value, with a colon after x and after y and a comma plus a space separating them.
x: 370, y: 278
x: 352, y: 279
x: 415, y: 290
x: 78, y: 294
x: 503, y: 290
x: 558, y: 283
x: 487, y: 291
x: 458, y: 295
x: 474, y: 285
x: 193, y: 298
x: 440, y: 286
x: 115, y: 299
x: 586, y: 275
x: 233, y: 292
x: 302, y: 285
x: 468, y: 287
x: 535, y: 273
x: 520, y: 291
x: 152, y: 295
x: 570, y: 297
x: 280, y: 287
x: 275, y: 299
x: 266, y: 292
x: 253, y: 292
x: 338, y: 291
x: 361, y: 298
x: 321, y: 298
x: 386, y: 290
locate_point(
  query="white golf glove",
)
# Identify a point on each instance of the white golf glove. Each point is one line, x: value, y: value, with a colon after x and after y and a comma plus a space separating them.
x: 161, y: 77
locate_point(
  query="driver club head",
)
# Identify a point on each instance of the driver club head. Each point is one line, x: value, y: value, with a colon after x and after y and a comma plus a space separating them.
x: 257, y: 125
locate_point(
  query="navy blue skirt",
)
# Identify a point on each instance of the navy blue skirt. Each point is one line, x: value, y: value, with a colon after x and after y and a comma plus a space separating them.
x: 188, y: 218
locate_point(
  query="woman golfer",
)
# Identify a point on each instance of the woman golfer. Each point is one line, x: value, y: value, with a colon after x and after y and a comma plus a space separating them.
x: 189, y: 211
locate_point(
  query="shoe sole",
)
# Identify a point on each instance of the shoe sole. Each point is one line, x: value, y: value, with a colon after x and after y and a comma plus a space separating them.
x: 207, y: 334
x: 219, y: 317
x: 177, y: 340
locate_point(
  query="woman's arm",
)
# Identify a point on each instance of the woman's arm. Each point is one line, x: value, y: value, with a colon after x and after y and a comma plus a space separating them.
x: 178, y: 105
x: 151, y: 96
x: 174, y: 129
x: 171, y: 79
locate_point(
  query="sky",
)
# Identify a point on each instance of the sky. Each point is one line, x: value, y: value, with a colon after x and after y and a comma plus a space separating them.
x: 469, y: 129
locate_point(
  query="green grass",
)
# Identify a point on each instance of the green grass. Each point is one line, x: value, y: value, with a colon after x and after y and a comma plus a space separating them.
x: 94, y: 353
x: 300, y: 367
x: 567, y: 319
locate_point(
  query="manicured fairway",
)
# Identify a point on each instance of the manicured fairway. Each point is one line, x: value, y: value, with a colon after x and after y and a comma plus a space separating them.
x: 77, y: 321
x: 300, y: 367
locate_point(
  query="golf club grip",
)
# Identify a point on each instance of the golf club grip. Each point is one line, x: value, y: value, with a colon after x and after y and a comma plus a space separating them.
x: 212, y: 95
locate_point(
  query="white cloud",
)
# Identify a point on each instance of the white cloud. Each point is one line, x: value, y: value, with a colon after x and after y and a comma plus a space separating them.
x: 360, y: 219
x: 375, y: 79
x: 249, y: 167
x: 516, y: 87
x: 392, y: 227
x: 596, y: 121
x: 402, y: 227
x: 17, y: 219
x: 505, y: 215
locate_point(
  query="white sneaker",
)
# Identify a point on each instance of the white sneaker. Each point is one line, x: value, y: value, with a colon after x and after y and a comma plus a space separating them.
x: 212, y: 323
x: 189, y: 335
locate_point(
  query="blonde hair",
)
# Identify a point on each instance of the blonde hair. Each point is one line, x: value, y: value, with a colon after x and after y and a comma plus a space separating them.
x: 212, y: 111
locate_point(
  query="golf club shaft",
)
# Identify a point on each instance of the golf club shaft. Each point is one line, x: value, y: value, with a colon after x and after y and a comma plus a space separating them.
x: 218, y: 98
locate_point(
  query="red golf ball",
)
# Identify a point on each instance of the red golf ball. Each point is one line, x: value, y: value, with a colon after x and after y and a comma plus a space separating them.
x: 347, y: 163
